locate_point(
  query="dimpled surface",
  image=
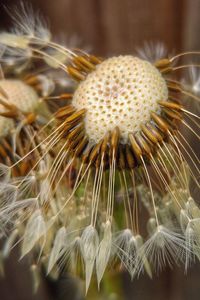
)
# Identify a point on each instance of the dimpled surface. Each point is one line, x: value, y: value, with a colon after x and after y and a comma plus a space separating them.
x: 122, y: 91
x: 20, y: 94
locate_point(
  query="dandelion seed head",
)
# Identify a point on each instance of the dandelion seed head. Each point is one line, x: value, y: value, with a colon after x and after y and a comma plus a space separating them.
x: 99, y: 172
x: 20, y: 94
x: 122, y: 92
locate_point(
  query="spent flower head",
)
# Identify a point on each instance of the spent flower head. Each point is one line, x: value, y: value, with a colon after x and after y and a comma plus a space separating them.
x: 100, y: 173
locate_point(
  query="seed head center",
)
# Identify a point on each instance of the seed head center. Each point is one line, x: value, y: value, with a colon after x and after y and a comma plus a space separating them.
x: 122, y: 91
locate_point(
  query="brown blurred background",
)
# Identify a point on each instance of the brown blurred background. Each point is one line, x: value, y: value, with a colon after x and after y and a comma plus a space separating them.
x: 113, y: 27
x: 116, y: 26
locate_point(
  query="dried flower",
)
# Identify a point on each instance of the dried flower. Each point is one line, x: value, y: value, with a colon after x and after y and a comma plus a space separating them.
x: 111, y: 174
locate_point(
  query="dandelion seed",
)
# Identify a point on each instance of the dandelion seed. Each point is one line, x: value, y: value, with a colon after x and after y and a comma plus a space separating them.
x: 9, y: 243
x: 34, y: 230
x: 89, y: 247
x: 8, y: 194
x: 104, y: 252
x: 164, y: 247
x: 57, y: 248
x: 4, y: 173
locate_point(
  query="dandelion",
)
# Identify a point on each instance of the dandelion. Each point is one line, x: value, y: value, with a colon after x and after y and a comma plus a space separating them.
x: 23, y: 110
x: 117, y: 137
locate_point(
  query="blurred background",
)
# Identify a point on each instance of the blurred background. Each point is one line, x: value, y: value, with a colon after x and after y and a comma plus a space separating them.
x: 110, y: 27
